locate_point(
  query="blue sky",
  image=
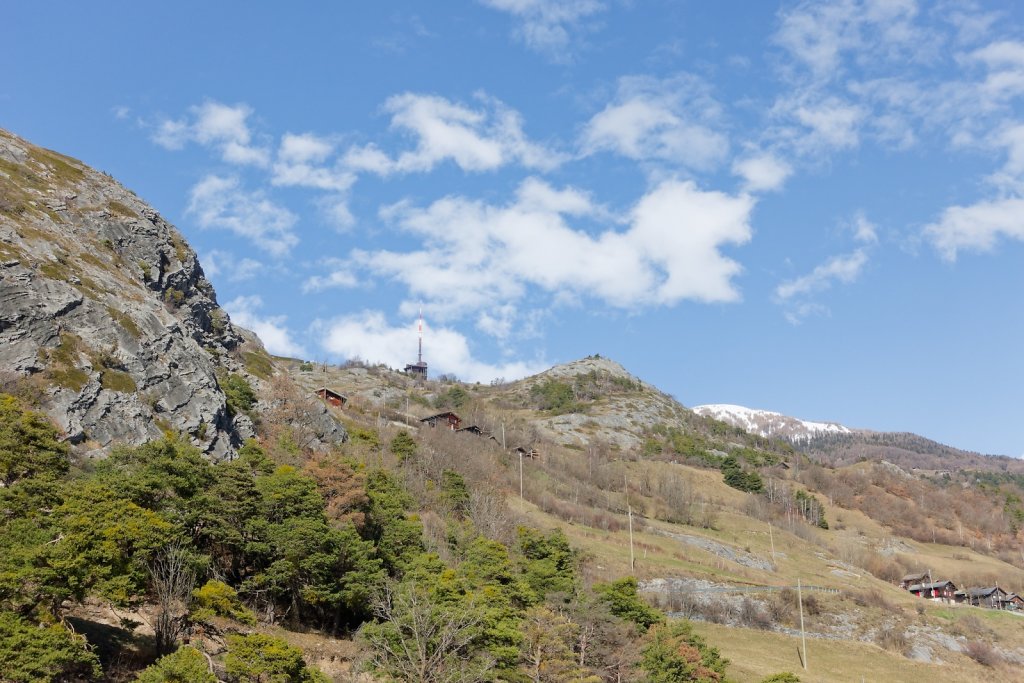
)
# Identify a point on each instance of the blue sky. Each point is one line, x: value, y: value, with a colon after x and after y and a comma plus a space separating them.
x: 815, y: 208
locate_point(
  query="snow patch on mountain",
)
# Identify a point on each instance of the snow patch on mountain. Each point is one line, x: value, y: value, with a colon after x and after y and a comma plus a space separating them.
x: 768, y: 423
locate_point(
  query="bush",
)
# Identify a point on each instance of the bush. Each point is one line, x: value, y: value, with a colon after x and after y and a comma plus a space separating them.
x: 734, y: 476
x: 982, y: 653
x: 624, y: 602
x: 186, y: 664
x: 216, y: 598
x: 29, y: 653
x: 403, y: 446
x: 892, y: 638
x: 784, y: 677
x: 558, y: 397
x: 674, y: 653
x: 239, y: 394
x: 753, y: 615
x: 258, y: 657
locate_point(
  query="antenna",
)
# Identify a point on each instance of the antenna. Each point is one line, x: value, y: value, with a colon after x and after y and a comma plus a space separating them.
x: 419, y: 358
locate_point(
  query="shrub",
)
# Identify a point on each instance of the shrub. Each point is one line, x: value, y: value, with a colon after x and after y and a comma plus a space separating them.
x: 892, y: 638
x: 29, y: 653
x: 403, y: 446
x: 784, y: 677
x: 185, y: 664
x: 216, y: 598
x: 753, y: 615
x: 258, y: 657
x: 624, y: 602
x: 736, y: 477
x: 558, y: 397
x: 675, y: 653
x: 174, y: 297
x: 239, y: 394
x: 982, y: 653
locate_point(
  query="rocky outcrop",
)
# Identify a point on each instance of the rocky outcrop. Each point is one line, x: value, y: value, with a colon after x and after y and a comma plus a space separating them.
x: 106, y: 313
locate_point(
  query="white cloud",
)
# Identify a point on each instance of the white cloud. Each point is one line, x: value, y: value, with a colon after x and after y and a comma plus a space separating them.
x: 220, y: 126
x: 304, y: 148
x: 369, y: 336
x: 762, y: 172
x: 819, y: 34
x: 270, y: 329
x: 475, y: 256
x: 221, y: 203
x: 546, y: 26
x: 977, y: 227
x: 218, y: 262
x: 832, y: 123
x: 339, y: 276
x: 864, y: 231
x: 481, y: 139
x: 246, y: 269
x: 796, y: 294
x: 301, y: 161
x: 670, y: 120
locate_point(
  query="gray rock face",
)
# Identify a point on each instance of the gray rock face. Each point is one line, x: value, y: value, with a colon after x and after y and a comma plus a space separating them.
x: 105, y: 310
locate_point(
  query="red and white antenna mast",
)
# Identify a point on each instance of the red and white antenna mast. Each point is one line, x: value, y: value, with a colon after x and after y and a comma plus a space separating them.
x: 419, y: 358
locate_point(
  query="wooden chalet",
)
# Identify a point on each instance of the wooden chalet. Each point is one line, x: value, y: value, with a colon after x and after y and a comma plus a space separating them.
x: 910, y: 579
x: 1013, y: 602
x: 935, y: 590
x: 448, y: 419
x: 993, y: 597
x: 333, y: 397
x: 471, y: 429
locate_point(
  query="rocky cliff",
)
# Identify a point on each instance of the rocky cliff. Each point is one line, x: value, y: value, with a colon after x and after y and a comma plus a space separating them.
x: 106, y: 317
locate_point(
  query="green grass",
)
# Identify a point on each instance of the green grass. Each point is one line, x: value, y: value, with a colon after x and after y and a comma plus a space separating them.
x: 115, y: 380
x: 258, y: 363
x: 62, y: 168
x: 125, y: 321
x: 755, y: 655
x: 118, y: 209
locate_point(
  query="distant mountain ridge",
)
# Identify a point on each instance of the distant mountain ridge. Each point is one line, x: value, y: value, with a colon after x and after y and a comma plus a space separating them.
x: 768, y: 423
x: 838, y: 444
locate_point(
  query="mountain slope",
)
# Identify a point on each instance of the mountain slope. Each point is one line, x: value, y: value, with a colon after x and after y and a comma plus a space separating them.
x: 106, y: 318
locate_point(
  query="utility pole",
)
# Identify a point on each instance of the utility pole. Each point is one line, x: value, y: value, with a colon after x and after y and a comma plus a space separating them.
x: 522, y: 503
x: 632, y: 561
x: 803, y: 636
x: 629, y: 513
x: 771, y: 537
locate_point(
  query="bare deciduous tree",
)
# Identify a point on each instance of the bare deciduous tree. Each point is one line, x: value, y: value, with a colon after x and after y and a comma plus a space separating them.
x: 172, y: 577
x: 419, y: 640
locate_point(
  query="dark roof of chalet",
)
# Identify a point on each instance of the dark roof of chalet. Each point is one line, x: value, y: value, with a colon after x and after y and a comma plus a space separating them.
x: 331, y: 391
x: 913, y: 578
x: 439, y: 416
x: 930, y: 586
x: 471, y: 428
x: 983, y: 592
